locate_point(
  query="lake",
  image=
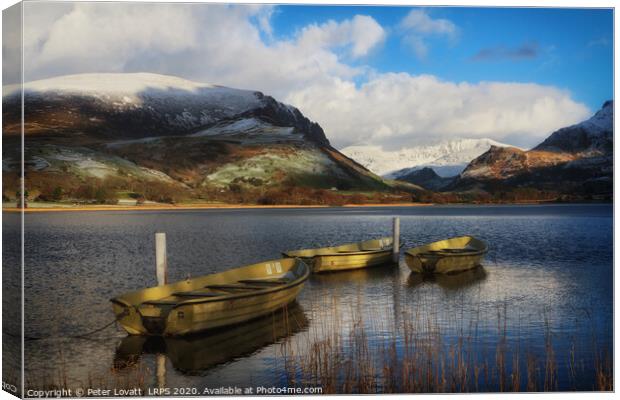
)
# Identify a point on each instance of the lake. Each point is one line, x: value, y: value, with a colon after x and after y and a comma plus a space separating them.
x: 538, y: 315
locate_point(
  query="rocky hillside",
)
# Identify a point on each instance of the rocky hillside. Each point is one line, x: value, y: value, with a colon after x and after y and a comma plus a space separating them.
x: 141, y: 105
x: 576, y: 160
x: 164, y: 138
x: 590, y: 138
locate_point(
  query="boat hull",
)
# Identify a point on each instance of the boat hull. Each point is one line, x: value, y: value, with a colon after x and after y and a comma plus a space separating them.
x: 444, y: 265
x: 348, y: 256
x: 422, y: 260
x: 333, y: 263
x: 151, y: 316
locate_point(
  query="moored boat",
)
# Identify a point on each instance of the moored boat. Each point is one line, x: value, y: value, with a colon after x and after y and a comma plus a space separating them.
x: 347, y: 256
x: 212, y: 301
x: 446, y: 256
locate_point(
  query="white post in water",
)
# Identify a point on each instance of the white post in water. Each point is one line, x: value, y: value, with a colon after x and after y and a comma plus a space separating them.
x: 396, y: 239
x: 161, y: 261
x: 161, y: 258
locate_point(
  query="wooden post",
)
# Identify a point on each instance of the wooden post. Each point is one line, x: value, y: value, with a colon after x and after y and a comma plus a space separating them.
x: 161, y: 370
x: 161, y: 262
x: 396, y: 239
x: 161, y: 258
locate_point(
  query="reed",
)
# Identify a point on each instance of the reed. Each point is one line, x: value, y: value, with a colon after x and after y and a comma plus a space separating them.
x: 362, y: 348
x: 413, y: 358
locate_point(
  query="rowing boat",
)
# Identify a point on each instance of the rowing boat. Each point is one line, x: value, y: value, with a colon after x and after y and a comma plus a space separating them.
x: 212, y: 301
x: 347, y: 256
x: 446, y: 256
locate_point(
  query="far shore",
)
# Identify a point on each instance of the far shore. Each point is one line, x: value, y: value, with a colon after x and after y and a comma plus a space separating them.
x: 57, y: 207
x: 167, y: 207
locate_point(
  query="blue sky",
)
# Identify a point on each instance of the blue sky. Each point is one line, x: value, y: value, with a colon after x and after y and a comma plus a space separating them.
x: 391, y: 77
x: 567, y: 48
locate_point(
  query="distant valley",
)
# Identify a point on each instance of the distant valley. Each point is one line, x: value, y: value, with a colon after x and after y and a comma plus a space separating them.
x: 446, y: 158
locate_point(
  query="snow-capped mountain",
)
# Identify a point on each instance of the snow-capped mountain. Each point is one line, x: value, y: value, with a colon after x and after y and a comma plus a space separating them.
x: 593, y: 136
x: 446, y: 158
x: 146, y: 104
x: 576, y: 160
x: 169, y: 135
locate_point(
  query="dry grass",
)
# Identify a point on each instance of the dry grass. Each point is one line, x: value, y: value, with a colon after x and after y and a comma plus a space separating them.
x: 415, y: 359
x: 344, y: 352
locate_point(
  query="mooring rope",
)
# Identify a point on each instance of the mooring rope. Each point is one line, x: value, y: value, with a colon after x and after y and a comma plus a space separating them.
x: 96, y: 330
x: 80, y: 336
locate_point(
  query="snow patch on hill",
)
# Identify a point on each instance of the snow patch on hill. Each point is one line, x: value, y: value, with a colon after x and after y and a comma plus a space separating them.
x: 136, y: 90
x: 112, y: 83
x: 602, y: 121
x: 248, y: 127
x: 592, y: 137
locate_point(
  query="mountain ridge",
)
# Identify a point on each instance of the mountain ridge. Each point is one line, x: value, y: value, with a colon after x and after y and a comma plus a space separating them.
x: 575, y: 160
x: 146, y: 104
x: 136, y: 132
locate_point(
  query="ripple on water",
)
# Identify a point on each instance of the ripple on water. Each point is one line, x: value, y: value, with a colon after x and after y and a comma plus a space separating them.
x: 548, y: 267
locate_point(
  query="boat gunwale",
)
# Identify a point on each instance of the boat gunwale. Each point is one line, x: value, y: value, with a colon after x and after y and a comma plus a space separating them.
x: 233, y: 296
x: 341, y: 253
x: 475, y: 252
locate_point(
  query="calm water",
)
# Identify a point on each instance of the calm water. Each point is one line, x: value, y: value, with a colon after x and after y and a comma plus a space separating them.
x: 548, y: 275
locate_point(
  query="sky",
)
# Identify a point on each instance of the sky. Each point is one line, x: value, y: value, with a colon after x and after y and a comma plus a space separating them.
x: 387, y: 76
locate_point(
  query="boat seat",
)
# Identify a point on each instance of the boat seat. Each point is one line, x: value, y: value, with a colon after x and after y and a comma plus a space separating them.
x: 269, y: 282
x: 196, y: 294
x: 447, y: 252
x: 463, y: 250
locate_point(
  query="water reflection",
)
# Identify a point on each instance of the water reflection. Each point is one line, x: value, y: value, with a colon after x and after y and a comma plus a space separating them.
x: 542, y: 281
x: 355, y: 275
x: 449, y: 282
x: 195, y: 354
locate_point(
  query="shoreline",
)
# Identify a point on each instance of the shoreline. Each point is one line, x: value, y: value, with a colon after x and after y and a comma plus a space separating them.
x: 185, y: 207
x: 203, y: 206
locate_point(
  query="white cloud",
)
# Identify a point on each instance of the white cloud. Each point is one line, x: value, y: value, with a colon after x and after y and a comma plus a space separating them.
x: 398, y: 110
x: 11, y: 43
x: 418, y: 25
x: 263, y: 18
x: 93, y: 36
x: 361, y: 34
x: 419, y: 21
x: 313, y: 69
x: 213, y: 43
